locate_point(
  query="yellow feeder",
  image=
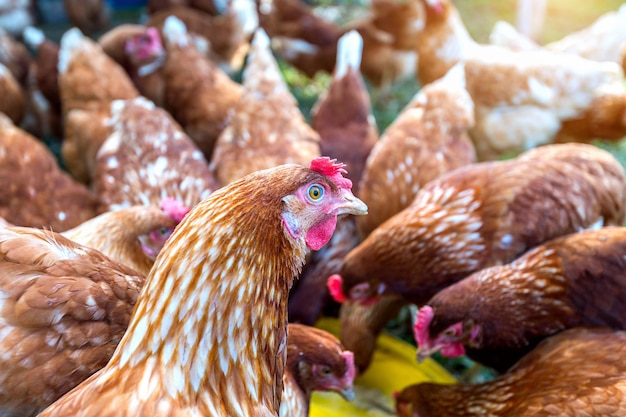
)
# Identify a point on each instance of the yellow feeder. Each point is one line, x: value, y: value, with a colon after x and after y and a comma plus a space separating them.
x: 393, y: 367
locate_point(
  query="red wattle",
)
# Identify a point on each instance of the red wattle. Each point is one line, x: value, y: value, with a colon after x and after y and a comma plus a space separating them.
x: 334, y: 284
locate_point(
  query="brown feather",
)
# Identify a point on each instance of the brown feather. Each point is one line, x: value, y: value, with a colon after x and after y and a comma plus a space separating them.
x: 580, y: 372
x: 575, y: 280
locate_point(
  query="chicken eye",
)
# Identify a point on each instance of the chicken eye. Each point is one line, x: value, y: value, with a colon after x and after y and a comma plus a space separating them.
x: 164, y: 231
x: 315, y: 192
x: 449, y: 332
x: 325, y: 370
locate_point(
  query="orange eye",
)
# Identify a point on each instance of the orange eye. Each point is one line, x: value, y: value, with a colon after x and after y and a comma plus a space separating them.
x: 315, y: 192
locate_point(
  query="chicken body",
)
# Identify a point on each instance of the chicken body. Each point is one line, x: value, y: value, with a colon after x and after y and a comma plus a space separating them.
x: 316, y: 361
x: 485, y: 214
x: 64, y: 309
x: 343, y: 118
x: 579, y: 372
x: 198, y: 94
x: 426, y: 140
x: 266, y: 128
x: 204, y: 339
x: 89, y: 16
x: 501, y: 313
x: 146, y: 158
x: 88, y: 81
x: 343, y: 114
x: 13, y: 102
x: 51, y: 198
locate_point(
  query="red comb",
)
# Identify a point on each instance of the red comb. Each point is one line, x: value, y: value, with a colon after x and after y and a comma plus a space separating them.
x: 348, y: 356
x: 420, y: 330
x: 332, y: 169
x: 334, y: 284
x: 174, y: 208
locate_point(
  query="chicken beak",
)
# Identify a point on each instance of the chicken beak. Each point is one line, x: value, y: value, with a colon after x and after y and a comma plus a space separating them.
x: 347, y: 394
x: 424, y: 354
x: 349, y: 204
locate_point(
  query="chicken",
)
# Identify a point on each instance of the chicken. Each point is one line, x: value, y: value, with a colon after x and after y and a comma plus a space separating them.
x: 389, y: 35
x: 138, y: 49
x: 46, y: 65
x: 482, y: 215
x: 299, y: 36
x: 266, y: 128
x: 342, y: 116
x: 178, y: 357
x: 579, y: 372
x: 132, y: 236
x: 14, y: 56
x: 426, y: 140
x: 89, y: 16
x: 36, y: 192
x: 13, y: 103
x: 147, y: 158
x: 227, y: 35
x: 88, y: 81
x: 603, y: 40
x: 316, y: 361
x: 43, y: 111
x: 502, y: 312
x: 521, y: 98
x: 197, y: 93
x: 64, y: 308
x: 16, y: 15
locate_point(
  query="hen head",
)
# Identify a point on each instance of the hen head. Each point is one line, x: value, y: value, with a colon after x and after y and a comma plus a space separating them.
x: 319, y: 362
x: 153, y: 242
x: 312, y: 210
x: 145, y: 48
x: 450, y: 342
x: 333, y: 375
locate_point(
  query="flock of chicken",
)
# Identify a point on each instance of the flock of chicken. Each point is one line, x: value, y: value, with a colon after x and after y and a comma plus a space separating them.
x: 198, y: 228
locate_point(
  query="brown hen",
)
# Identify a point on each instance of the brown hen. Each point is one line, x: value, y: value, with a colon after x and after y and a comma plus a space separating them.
x: 139, y: 50
x: 266, y: 128
x: 13, y: 103
x: 64, y: 309
x: 316, y: 361
x: 36, y: 192
x: 133, y: 236
x: 500, y: 313
x: 426, y: 140
x: 88, y: 81
x: 146, y: 158
x: 208, y: 334
x: 577, y: 373
x: 199, y: 95
x: 343, y: 118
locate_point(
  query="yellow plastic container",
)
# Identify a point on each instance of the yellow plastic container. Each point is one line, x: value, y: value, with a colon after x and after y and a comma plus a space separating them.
x: 393, y: 367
